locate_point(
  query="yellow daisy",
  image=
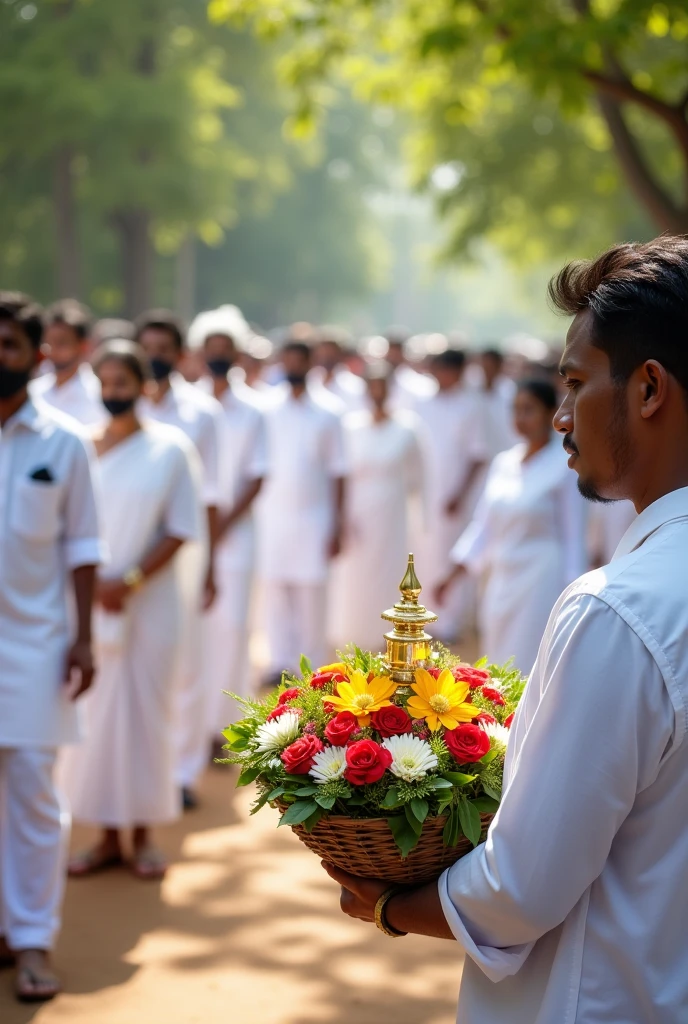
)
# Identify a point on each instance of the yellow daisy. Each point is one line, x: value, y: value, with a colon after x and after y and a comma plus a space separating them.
x: 361, y: 697
x: 440, y: 701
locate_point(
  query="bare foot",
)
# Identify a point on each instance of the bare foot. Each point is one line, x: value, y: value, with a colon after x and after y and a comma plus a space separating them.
x: 35, y: 982
x: 148, y: 863
x: 99, y: 858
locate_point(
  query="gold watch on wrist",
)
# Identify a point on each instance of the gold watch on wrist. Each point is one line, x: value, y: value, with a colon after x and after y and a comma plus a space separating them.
x: 133, y: 578
x: 380, y: 916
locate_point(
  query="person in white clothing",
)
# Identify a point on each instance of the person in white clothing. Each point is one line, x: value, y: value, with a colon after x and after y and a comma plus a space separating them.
x: 170, y: 399
x: 498, y: 393
x: 71, y: 387
x: 299, y: 515
x: 456, y: 453
x: 527, y: 537
x: 49, y: 539
x: 330, y: 373
x: 407, y: 386
x: 218, y: 336
x: 385, y: 468
x: 123, y: 776
x: 574, y: 908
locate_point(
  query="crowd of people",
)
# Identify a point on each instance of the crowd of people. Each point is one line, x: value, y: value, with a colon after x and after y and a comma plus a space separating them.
x: 200, y: 488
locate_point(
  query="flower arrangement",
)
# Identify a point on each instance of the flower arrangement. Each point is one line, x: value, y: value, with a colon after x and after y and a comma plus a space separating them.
x: 347, y: 742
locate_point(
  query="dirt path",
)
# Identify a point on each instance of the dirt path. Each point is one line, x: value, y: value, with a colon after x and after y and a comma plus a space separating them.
x: 244, y: 930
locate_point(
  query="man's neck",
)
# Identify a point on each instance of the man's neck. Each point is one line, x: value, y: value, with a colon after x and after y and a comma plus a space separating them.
x: 298, y: 391
x: 8, y: 406
x: 158, y: 389
x: 221, y: 386
x: 62, y: 376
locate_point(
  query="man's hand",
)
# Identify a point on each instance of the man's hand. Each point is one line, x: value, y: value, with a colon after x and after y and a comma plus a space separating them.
x: 112, y: 594
x: 359, y: 895
x: 80, y: 658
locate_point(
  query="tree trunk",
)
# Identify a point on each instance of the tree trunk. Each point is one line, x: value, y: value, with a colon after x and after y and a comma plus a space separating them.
x: 137, y: 259
x: 185, y: 283
x: 69, y: 284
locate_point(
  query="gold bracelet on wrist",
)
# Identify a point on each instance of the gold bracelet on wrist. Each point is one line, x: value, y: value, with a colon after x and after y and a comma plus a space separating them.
x: 380, y: 917
x: 133, y: 578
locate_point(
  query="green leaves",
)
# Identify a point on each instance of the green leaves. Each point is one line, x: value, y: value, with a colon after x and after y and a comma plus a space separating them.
x: 249, y: 775
x: 299, y: 811
x: 237, y: 738
x: 469, y: 819
x: 305, y: 666
x: 405, y: 836
x: 458, y: 778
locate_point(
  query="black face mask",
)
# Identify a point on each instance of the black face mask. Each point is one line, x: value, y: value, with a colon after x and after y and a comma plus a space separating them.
x: 12, y: 381
x: 297, y: 380
x: 160, y: 368
x: 219, y: 367
x: 118, y: 406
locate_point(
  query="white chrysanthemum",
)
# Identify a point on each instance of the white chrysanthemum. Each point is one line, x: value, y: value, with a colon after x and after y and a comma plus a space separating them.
x: 499, y: 734
x: 412, y: 758
x: 328, y: 764
x: 278, y: 734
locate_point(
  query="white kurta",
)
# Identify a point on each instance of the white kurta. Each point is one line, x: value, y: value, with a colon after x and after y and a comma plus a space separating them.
x: 574, y: 911
x: 47, y: 528
x: 123, y: 775
x: 297, y: 505
x: 79, y: 396
x: 528, y: 539
x: 348, y: 390
x: 454, y: 438
x: 385, y: 466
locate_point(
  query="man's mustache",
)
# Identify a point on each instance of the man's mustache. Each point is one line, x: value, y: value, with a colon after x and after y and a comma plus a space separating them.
x: 570, y: 445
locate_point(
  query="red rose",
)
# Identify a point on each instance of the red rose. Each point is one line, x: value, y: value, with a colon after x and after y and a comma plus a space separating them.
x: 321, y: 679
x: 473, y: 676
x: 467, y: 743
x: 508, y: 720
x: 329, y: 708
x: 493, y: 695
x: 339, y: 729
x: 298, y: 757
x: 366, y: 762
x: 392, y: 721
x: 289, y: 694
x: 280, y: 710
x: 435, y: 672
x: 484, y: 717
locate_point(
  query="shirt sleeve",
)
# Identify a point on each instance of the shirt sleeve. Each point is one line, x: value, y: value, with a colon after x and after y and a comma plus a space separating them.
x: 572, y: 524
x: 593, y: 737
x: 335, y: 455
x: 182, y: 518
x: 82, y: 540
x: 209, y: 450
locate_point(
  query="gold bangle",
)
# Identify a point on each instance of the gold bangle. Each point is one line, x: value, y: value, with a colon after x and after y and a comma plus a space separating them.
x: 133, y: 578
x: 380, y: 917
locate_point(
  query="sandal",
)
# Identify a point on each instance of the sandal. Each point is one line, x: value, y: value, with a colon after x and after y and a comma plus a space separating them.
x: 149, y: 865
x: 93, y: 861
x: 34, y: 984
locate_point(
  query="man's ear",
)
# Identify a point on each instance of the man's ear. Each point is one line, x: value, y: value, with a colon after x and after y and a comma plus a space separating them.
x: 653, y: 384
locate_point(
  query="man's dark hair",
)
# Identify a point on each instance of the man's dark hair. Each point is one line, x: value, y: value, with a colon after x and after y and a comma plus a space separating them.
x: 638, y: 296
x: 297, y: 346
x: 128, y: 353
x: 72, y: 314
x: 161, y: 320
x: 22, y: 310
x: 542, y: 390
x: 450, y: 359
x: 493, y: 353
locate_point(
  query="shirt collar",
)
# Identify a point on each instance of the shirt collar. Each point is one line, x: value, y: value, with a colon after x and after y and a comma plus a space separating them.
x: 28, y: 415
x: 673, y: 505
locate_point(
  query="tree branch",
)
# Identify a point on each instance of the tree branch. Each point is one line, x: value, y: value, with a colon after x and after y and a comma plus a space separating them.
x: 621, y: 89
x: 668, y: 216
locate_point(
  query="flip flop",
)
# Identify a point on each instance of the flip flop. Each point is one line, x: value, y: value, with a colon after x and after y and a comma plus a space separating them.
x: 149, y: 865
x: 31, y: 995
x: 90, y: 863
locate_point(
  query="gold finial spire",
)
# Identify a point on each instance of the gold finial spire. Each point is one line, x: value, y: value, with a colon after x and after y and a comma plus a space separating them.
x: 408, y: 645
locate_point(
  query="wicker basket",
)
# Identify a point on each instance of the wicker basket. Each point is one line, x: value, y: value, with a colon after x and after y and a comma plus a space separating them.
x: 366, y: 847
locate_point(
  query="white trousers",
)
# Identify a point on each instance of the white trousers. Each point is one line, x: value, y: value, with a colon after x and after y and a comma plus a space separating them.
x: 225, y: 663
x: 34, y: 834
x: 295, y: 623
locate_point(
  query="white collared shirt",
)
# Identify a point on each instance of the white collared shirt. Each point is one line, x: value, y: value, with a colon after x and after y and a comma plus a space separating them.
x: 574, y: 911
x: 297, y: 504
x: 80, y: 396
x: 47, y: 527
x: 198, y: 416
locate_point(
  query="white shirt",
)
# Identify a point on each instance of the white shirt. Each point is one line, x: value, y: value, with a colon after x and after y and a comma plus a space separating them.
x: 407, y: 387
x: 348, y: 390
x: 297, y: 504
x: 47, y: 527
x: 574, y: 911
x: 198, y: 416
x: 454, y: 437
x: 243, y: 458
x: 498, y: 403
x: 80, y: 396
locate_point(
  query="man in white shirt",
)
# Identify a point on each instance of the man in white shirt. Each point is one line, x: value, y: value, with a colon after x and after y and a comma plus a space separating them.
x: 498, y: 393
x: 71, y: 387
x: 456, y: 453
x: 331, y: 376
x: 217, y: 336
x: 299, y: 515
x: 48, y: 533
x: 575, y: 908
x: 170, y: 399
